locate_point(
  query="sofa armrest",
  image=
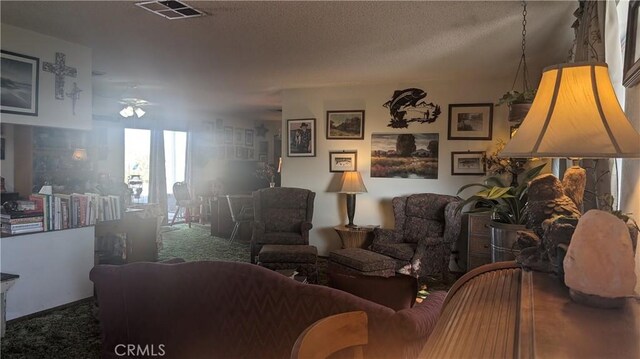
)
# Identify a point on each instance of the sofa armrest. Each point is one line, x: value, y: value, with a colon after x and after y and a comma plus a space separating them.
x: 420, y: 321
x: 258, y: 231
x: 305, y: 227
x: 384, y: 235
x: 452, y: 222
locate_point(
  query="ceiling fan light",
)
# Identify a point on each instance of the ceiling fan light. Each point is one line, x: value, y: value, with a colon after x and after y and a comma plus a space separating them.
x: 126, y: 112
x: 139, y: 112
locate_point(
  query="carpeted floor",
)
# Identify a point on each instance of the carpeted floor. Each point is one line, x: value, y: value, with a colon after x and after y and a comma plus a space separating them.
x: 74, y: 332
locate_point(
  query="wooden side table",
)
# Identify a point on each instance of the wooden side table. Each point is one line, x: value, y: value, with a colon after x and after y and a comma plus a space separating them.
x: 357, y: 237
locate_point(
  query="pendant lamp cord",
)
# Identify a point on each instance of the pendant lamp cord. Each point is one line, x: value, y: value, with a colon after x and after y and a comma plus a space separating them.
x: 523, y: 59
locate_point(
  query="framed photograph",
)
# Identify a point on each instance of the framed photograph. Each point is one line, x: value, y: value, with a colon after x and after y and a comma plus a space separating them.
x: 345, y: 125
x: 262, y: 157
x: 467, y: 163
x: 248, y: 138
x: 228, y: 135
x: 343, y: 161
x: 302, y: 138
x: 238, y: 135
x: 404, y: 155
x: 19, y: 89
x: 263, y: 147
x: 470, y: 121
x: 632, y: 47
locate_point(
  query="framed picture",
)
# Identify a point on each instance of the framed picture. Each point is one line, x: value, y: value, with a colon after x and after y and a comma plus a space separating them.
x: 19, y: 89
x: 471, y: 121
x: 345, y: 125
x: 632, y: 47
x: 302, y: 137
x: 262, y: 157
x: 404, y: 155
x: 228, y: 135
x: 343, y: 161
x: 467, y: 163
x: 248, y: 138
x: 238, y: 134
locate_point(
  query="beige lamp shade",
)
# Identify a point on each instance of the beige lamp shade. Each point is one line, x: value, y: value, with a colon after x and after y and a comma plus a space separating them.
x: 575, y: 114
x: 352, y: 183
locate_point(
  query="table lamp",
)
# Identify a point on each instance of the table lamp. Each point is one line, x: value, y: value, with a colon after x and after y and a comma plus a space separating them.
x: 575, y: 114
x: 351, y: 185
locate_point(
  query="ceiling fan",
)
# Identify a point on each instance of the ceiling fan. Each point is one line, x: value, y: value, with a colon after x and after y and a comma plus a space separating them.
x: 133, y: 106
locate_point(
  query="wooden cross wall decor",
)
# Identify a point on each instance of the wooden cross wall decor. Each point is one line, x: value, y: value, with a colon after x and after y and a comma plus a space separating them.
x: 61, y: 71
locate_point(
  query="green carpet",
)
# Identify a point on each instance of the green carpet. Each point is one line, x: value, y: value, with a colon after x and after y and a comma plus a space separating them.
x: 74, y: 332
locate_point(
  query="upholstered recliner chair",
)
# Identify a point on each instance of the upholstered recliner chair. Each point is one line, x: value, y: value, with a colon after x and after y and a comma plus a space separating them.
x: 281, y: 216
x: 426, y: 225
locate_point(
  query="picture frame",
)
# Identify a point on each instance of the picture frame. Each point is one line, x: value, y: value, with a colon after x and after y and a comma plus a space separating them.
x: 631, y: 74
x: 345, y: 125
x: 467, y: 163
x: 405, y: 155
x: 248, y: 138
x: 301, y: 140
x: 228, y: 135
x: 470, y: 121
x: 238, y: 136
x: 343, y: 161
x: 21, y: 72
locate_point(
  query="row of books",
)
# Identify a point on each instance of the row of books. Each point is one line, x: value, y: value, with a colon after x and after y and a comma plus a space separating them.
x: 62, y: 211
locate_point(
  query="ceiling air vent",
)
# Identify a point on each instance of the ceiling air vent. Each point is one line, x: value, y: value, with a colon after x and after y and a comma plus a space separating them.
x: 170, y: 9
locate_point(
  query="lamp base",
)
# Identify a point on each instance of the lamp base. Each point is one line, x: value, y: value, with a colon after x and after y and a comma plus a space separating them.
x: 351, y: 208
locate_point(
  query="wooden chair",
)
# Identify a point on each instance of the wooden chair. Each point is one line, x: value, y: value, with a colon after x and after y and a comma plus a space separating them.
x: 184, y: 201
x: 331, y: 334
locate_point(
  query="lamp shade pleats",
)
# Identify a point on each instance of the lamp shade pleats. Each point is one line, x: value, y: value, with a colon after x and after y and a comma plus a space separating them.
x: 575, y: 114
x: 352, y: 183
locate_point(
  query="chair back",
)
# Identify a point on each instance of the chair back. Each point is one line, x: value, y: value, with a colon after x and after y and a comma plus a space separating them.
x: 181, y: 191
x: 283, y: 209
x: 420, y: 214
x: 332, y: 334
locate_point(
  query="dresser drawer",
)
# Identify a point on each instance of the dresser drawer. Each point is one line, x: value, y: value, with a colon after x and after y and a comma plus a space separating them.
x: 479, y: 244
x: 479, y: 224
x: 477, y: 261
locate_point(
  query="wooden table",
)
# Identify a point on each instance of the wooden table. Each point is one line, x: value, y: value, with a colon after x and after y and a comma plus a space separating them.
x: 356, y: 237
x: 500, y: 311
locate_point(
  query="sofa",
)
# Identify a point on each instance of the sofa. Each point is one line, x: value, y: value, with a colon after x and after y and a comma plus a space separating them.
x: 237, y: 310
x: 426, y: 225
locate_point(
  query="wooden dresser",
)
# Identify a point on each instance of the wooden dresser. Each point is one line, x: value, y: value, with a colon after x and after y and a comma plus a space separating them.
x: 479, y: 240
x: 501, y: 311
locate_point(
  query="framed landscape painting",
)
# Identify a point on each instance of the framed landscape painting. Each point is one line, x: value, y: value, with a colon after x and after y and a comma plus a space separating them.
x: 345, y: 125
x: 302, y: 137
x: 467, y: 163
x: 471, y: 121
x: 19, y: 89
x: 405, y: 155
x: 343, y: 161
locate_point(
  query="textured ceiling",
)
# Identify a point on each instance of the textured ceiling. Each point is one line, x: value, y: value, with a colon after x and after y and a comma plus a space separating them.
x: 237, y: 60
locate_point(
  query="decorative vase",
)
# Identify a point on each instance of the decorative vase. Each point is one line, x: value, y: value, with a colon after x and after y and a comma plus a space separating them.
x: 503, y: 237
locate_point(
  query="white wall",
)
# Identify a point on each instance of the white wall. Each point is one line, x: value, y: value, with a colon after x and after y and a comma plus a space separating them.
x: 52, y: 112
x: 374, y: 207
x: 53, y: 268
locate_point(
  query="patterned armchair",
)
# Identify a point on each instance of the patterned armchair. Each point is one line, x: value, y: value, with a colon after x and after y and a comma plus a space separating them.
x: 281, y: 216
x: 426, y: 225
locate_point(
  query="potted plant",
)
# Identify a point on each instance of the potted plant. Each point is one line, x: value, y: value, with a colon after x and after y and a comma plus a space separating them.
x: 267, y: 172
x: 519, y: 103
x: 507, y: 205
